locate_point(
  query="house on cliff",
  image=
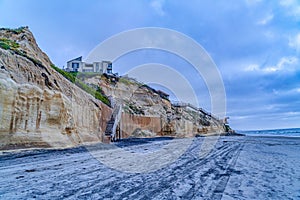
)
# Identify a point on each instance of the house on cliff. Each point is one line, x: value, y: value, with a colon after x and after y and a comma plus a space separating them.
x: 77, y: 65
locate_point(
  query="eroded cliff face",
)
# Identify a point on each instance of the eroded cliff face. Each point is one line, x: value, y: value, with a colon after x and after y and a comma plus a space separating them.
x: 141, y: 103
x: 38, y: 106
x: 41, y: 108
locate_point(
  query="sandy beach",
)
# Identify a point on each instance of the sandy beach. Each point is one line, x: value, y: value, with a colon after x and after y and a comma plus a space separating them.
x: 244, y: 167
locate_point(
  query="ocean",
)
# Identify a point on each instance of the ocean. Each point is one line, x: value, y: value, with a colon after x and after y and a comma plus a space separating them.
x: 291, y: 132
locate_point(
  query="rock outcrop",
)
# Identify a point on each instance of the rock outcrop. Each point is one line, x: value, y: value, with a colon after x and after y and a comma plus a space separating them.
x: 38, y: 106
x: 143, y: 103
x: 41, y: 108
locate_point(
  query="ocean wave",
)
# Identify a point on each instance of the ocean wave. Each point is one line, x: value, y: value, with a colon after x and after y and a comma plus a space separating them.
x: 291, y: 132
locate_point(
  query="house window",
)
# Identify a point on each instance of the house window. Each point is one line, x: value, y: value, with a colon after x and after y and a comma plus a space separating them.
x: 109, y: 68
x: 75, y: 67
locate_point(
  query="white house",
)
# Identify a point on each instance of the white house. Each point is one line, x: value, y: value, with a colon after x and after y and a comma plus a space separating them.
x: 77, y: 65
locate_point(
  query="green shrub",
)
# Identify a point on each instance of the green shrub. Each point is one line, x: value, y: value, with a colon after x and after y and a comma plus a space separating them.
x: 71, y: 76
x: 18, y: 30
x: 4, y: 45
x: 92, y: 92
x: 8, y: 44
x: 67, y: 75
x: 15, y: 30
x: 99, y: 89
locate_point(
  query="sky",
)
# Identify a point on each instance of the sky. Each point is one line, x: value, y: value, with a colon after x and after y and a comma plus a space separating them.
x: 254, y: 43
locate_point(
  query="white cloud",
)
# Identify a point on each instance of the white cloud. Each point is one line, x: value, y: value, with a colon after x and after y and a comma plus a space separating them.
x: 287, y: 2
x: 157, y: 5
x: 294, y: 90
x: 285, y: 92
x: 292, y: 7
x: 285, y: 64
x: 266, y: 20
x: 292, y: 113
x: 297, y: 90
x: 252, y: 67
x: 295, y: 42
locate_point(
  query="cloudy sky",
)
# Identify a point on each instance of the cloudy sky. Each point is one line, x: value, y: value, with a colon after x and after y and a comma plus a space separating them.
x: 254, y: 43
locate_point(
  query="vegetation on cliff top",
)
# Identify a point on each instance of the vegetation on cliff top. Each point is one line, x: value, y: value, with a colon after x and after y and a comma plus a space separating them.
x: 72, y: 77
x: 8, y: 44
x: 15, y: 30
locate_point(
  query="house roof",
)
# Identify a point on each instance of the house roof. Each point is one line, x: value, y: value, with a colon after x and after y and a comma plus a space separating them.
x: 76, y: 59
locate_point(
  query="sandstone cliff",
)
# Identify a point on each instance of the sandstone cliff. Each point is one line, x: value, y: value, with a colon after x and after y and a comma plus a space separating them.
x: 149, y: 114
x: 38, y: 106
x: 41, y: 108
